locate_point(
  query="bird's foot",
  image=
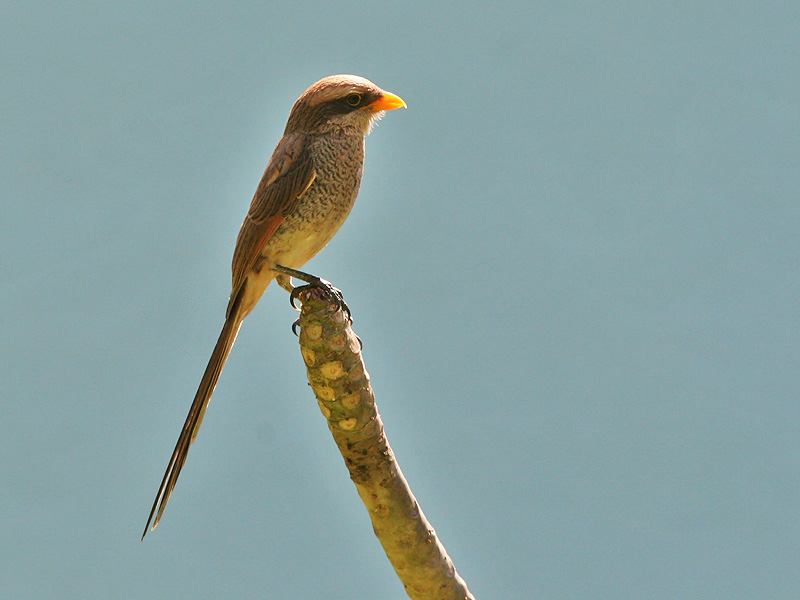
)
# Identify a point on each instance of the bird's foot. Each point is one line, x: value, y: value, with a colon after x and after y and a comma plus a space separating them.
x: 327, y: 290
x: 312, y: 283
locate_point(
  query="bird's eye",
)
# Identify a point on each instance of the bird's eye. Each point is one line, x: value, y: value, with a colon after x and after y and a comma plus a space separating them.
x: 353, y: 99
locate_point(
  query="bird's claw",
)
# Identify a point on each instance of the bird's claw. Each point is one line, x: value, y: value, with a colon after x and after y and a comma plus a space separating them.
x: 326, y: 288
x: 293, y: 296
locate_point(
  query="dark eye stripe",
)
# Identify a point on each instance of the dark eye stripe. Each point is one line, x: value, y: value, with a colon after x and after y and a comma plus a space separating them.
x: 342, y: 104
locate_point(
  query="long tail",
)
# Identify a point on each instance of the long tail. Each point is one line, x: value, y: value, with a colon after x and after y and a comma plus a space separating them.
x: 195, y: 417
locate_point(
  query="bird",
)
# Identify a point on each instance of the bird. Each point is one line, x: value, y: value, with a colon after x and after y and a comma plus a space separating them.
x: 304, y: 196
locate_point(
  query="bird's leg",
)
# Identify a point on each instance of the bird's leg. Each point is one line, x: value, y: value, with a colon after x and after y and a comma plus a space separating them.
x: 285, y: 282
x: 312, y: 281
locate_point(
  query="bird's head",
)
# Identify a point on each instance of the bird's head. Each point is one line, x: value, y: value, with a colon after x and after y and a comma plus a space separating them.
x: 341, y: 102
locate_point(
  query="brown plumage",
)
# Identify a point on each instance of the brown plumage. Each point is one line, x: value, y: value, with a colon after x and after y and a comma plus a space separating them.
x: 305, y: 194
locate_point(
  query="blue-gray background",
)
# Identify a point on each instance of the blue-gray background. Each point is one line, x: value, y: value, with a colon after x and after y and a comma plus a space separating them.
x: 573, y: 264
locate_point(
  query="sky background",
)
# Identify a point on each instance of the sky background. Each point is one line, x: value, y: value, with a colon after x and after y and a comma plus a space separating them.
x: 574, y: 266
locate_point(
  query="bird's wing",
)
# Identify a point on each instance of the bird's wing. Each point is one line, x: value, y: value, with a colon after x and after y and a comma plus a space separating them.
x: 288, y: 175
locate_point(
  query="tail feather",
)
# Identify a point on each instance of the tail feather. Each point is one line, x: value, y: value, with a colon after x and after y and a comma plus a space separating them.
x: 195, y: 417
